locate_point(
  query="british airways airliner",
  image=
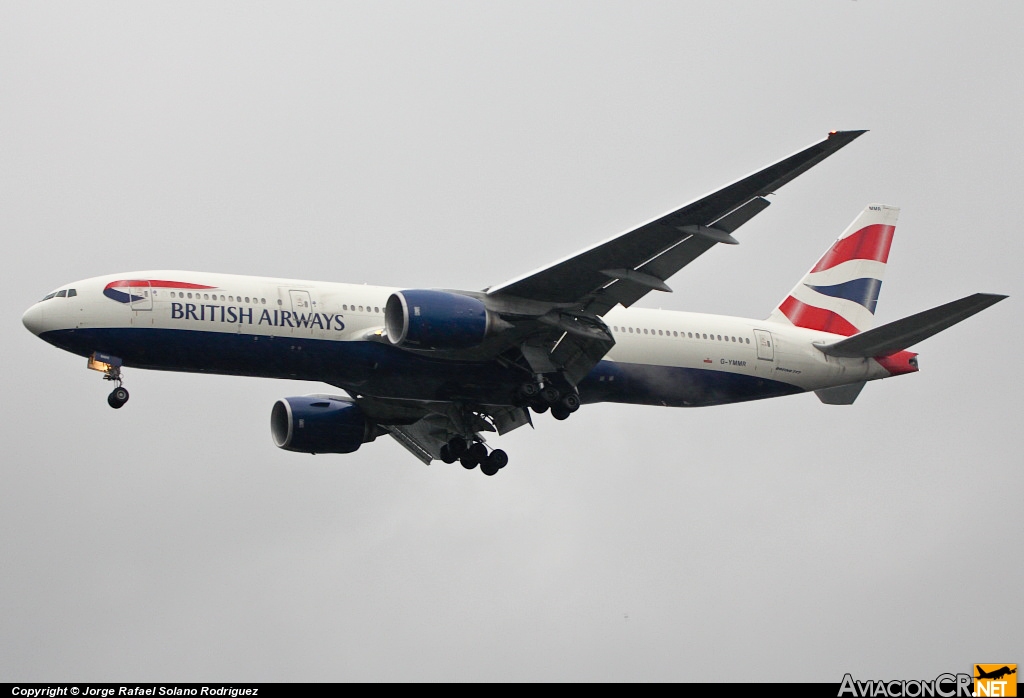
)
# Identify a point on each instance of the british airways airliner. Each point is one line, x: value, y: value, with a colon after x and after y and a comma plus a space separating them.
x: 435, y: 369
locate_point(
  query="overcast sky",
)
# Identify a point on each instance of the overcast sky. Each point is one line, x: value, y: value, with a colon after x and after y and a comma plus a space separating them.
x: 460, y: 144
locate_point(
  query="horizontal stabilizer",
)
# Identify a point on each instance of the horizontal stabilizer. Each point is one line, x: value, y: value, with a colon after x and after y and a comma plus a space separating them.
x: 897, y: 336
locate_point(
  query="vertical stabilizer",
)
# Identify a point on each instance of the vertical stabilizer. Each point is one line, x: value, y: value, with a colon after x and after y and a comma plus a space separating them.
x: 840, y: 292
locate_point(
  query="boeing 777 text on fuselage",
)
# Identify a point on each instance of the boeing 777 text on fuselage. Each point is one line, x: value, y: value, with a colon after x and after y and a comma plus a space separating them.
x: 436, y: 368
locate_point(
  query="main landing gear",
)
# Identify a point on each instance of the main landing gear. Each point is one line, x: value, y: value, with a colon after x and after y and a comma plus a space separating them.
x: 110, y: 366
x: 562, y: 401
x: 474, y: 454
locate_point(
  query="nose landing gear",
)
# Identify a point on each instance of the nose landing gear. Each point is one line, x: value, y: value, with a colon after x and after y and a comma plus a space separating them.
x: 110, y: 366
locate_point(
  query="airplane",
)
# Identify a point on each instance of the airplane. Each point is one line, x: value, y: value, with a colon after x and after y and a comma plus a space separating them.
x: 995, y: 674
x: 436, y: 369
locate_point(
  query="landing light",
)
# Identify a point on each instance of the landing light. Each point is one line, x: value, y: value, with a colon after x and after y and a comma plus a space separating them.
x: 103, y: 362
x: 98, y: 365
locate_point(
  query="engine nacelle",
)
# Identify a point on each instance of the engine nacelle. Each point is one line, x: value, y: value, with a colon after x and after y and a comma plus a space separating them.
x: 420, y: 319
x: 318, y: 424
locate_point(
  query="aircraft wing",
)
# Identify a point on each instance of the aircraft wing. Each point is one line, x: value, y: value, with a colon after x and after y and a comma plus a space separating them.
x: 627, y: 267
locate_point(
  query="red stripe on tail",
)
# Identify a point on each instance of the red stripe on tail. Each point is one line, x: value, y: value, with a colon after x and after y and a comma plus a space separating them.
x: 814, y: 318
x: 871, y: 242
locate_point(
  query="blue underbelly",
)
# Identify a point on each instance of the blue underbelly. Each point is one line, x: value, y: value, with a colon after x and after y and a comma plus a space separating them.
x: 381, y: 370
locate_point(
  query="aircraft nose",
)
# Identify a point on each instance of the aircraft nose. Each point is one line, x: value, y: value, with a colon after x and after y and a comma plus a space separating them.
x: 33, y: 319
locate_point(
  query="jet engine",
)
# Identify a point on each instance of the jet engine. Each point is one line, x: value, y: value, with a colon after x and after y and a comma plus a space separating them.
x: 319, y: 424
x: 419, y: 319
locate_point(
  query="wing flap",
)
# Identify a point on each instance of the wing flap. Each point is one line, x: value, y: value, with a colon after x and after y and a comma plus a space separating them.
x: 409, y: 441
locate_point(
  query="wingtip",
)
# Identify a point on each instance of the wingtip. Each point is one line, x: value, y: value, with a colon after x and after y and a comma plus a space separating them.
x: 847, y: 134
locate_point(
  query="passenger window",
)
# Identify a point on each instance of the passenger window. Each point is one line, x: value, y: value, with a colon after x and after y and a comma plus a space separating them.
x: 631, y: 330
x: 247, y: 299
x: 206, y: 296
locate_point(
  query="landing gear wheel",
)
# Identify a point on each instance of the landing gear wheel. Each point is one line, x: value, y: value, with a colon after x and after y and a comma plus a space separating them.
x: 540, y: 408
x: 498, y: 458
x: 488, y: 468
x: 560, y: 412
x: 446, y: 455
x: 118, y: 396
x: 456, y: 447
x: 478, y: 451
x: 528, y: 391
x: 550, y: 394
x: 474, y: 455
x: 571, y: 402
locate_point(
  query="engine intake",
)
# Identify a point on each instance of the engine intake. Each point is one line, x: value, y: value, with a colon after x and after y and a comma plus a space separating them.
x: 436, y: 320
x: 319, y: 424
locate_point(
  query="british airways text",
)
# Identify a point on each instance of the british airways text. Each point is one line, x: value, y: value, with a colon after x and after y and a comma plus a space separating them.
x: 244, y: 316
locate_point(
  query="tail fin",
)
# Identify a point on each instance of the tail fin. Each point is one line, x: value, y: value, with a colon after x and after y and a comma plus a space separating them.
x: 840, y: 292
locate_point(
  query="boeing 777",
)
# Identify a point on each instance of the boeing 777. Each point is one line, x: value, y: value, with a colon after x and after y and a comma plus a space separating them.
x: 436, y: 369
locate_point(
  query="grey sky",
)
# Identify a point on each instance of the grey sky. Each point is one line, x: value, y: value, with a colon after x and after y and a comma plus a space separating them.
x: 458, y: 145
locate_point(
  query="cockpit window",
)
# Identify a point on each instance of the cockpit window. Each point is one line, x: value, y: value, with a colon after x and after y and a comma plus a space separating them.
x: 63, y: 293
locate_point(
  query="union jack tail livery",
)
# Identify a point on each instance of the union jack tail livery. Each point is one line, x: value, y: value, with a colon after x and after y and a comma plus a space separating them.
x: 839, y: 293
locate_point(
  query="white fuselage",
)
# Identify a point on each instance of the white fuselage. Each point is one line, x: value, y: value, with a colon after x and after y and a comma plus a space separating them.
x: 291, y: 312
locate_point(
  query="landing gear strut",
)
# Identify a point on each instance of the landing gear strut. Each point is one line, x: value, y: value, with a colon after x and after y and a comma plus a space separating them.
x: 110, y: 366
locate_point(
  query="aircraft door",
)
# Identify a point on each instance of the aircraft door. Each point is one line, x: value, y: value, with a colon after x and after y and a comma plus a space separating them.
x: 765, y: 348
x: 140, y: 295
x: 765, y: 364
x: 302, y: 311
x: 301, y: 302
